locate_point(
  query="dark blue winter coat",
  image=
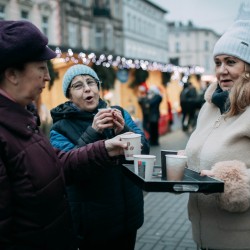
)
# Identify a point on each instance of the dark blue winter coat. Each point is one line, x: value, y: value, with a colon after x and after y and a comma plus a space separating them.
x: 105, y: 204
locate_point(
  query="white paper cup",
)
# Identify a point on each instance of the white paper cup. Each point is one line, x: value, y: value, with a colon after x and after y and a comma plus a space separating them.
x: 134, y: 145
x: 175, y: 165
x: 144, y: 166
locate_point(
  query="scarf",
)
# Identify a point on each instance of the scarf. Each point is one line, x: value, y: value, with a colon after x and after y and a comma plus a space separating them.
x: 220, y: 99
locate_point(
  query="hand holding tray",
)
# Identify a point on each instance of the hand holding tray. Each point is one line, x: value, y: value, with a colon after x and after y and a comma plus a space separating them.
x: 192, y: 182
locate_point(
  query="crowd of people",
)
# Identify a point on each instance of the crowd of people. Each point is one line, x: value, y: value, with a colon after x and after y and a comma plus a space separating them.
x: 70, y: 193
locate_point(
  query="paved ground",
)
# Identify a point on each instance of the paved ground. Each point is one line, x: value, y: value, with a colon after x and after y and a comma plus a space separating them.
x: 166, y: 225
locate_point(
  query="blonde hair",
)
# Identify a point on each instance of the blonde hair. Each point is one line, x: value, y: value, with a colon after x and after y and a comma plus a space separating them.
x: 240, y: 94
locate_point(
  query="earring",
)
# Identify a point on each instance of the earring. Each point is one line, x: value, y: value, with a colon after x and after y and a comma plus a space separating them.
x: 247, y: 75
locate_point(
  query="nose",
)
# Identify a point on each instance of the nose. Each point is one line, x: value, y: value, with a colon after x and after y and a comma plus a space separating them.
x: 86, y: 87
x: 223, y: 69
x: 47, y: 75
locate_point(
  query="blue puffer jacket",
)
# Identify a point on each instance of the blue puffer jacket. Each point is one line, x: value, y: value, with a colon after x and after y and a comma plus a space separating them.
x: 105, y: 204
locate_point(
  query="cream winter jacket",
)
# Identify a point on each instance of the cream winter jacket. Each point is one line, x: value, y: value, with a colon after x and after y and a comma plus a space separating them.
x: 224, y: 143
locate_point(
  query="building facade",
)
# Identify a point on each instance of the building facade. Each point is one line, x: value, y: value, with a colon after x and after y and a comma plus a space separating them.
x: 145, y: 31
x: 190, y: 45
x: 133, y: 30
x: 244, y: 11
x: 44, y: 14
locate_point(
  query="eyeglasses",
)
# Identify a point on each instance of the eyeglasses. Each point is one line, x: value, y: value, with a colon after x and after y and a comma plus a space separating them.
x: 82, y: 85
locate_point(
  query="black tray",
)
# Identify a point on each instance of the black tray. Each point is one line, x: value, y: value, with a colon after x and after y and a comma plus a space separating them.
x: 192, y: 182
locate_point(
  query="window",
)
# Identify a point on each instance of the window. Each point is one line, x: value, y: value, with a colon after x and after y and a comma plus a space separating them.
x: 117, y: 8
x: 133, y: 23
x: 2, y: 12
x: 206, y: 46
x: 99, y: 38
x: 128, y: 21
x: 109, y: 32
x: 177, y: 47
x: 45, y: 25
x: 24, y: 14
x: 207, y: 63
x: 85, y: 37
x: 107, y: 4
x: 72, y: 32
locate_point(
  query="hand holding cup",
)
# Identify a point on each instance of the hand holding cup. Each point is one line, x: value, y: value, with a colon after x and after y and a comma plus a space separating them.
x: 108, y: 118
x: 116, y: 146
x: 134, y: 145
x: 103, y: 120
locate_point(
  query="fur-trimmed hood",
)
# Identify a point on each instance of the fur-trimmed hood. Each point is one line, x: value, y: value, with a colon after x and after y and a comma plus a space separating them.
x: 209, y: 92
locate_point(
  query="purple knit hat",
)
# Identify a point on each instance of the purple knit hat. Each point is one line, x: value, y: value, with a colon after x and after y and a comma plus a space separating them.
x: 21, y: 42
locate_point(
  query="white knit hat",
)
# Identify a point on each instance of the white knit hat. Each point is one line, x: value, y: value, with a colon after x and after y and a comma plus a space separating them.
x: 235, y: 41
x: 76, y: 70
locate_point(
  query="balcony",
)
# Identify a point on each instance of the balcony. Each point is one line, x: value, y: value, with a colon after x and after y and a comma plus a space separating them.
x: 101, y: 12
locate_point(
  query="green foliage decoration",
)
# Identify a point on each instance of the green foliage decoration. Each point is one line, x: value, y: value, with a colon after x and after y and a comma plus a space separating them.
x: 53, y: 74
x: 166, y: 77
x: 140, y: 76
x: 106, y: 75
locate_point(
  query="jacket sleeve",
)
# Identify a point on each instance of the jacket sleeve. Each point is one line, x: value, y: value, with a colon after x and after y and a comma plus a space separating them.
x: 236, y: 196
x: 131, y: 126
x: 84, y: 162
x: 88, y: 136
x: 80, y: 163
x: 155, y: 100
x: 61, y: 142
x: 5, y: 208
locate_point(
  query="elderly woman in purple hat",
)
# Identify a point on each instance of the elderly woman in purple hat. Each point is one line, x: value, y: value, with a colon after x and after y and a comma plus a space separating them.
x: 34, y: 210
x: 220, y: 145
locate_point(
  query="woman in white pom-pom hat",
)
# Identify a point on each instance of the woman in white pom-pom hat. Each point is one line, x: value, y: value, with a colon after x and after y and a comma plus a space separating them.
x: 220, y: 145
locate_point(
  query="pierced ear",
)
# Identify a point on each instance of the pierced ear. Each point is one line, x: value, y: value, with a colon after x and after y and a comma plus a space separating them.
x: 10, y: 74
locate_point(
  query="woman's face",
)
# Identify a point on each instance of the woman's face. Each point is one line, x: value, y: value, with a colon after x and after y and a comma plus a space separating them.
x: 84, y: 92
x: 30, y: 82
x: 228, y: 69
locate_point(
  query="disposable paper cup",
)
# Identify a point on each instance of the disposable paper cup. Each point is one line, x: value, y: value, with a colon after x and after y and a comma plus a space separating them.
x: 175, y: 165
x: 134, y: 145
x: 144, y: 165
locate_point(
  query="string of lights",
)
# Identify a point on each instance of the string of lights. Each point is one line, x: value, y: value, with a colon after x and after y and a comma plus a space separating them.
x: 123, y: 63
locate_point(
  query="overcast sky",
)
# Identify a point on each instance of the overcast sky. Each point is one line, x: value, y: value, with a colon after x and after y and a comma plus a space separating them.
x: 215, y: 14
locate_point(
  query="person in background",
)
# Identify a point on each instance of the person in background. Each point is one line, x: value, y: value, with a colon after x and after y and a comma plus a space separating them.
x: 155, y: 99
x: 34, y: 210
x: 188, y: 97
x: 170, y: 115
x: 107, y: 208
x: 220, y: 144
x: 145, y: 108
